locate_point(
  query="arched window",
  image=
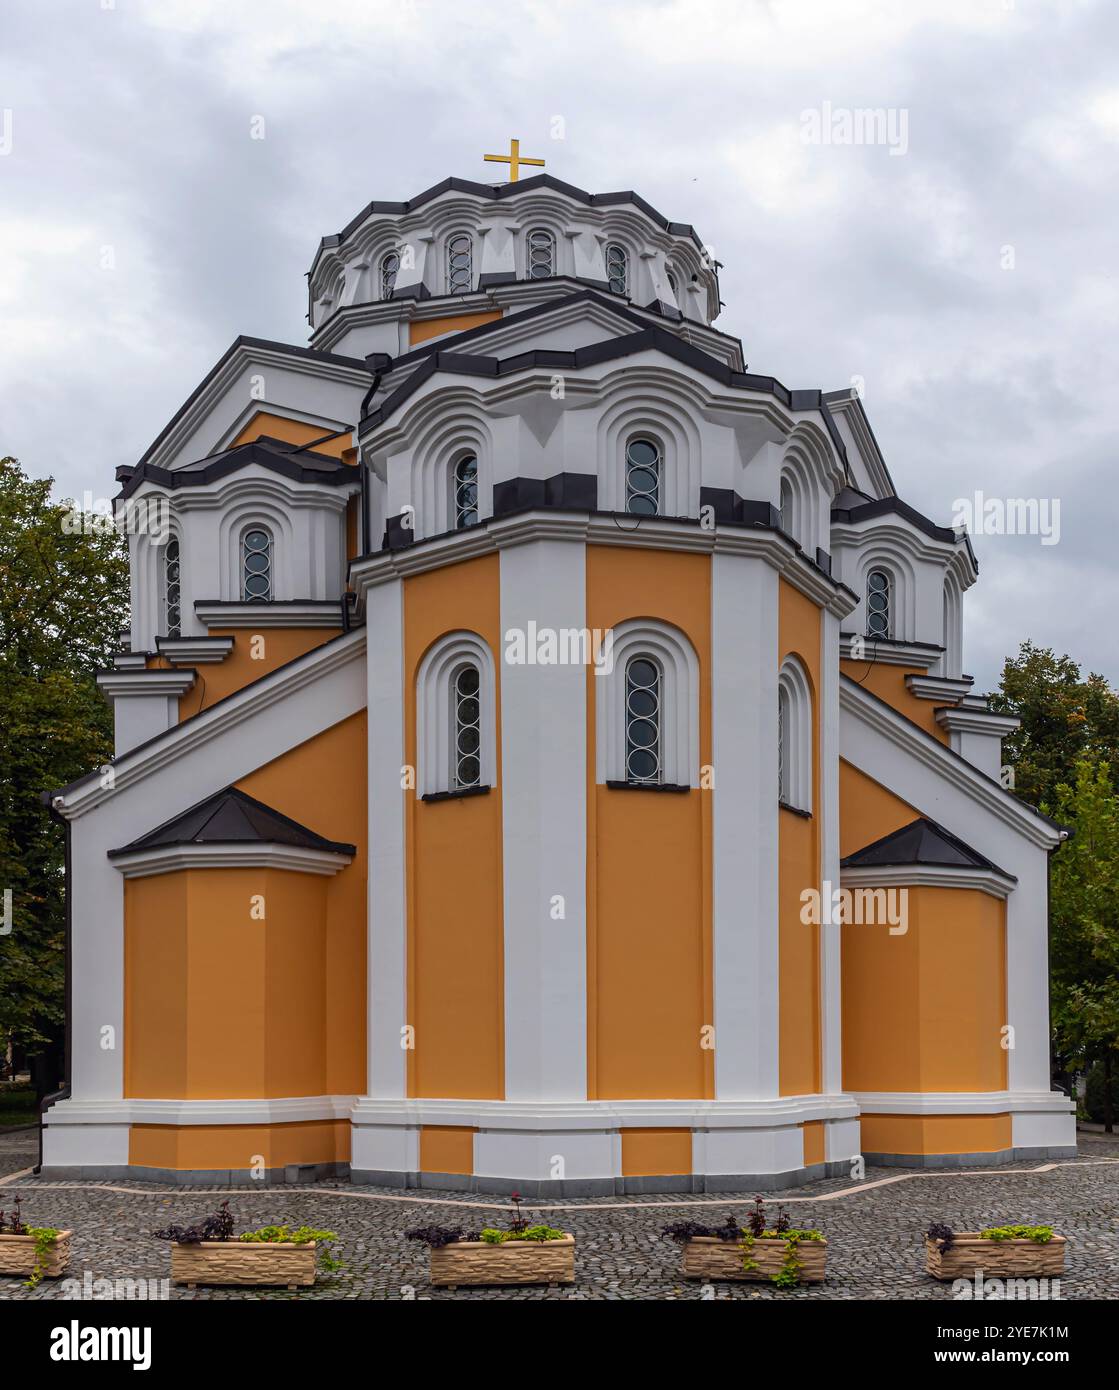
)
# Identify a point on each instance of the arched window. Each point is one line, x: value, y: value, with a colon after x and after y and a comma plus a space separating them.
x: 465, y: 497
x: 674, y: 286
x: 541, y: 254
x: 878, y: 597
x: 456, y: 724
x: 460, y: 265
x: 643, y: 477
x: 390, y: 268
x: 256, y: 565
x: 172, y: 587
x: 788, y: 519
x: 643, y: 720
x: 466, y: 740
x: 617, y: 268
x: 794, y: 736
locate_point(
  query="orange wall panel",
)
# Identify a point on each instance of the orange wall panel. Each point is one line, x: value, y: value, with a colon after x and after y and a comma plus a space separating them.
x: 814, y: 1149
x: 296, y: 432
x: 254, y: 654
x: 867, y: 811
x: 446, y: 1149
x: 239, y: 1146
x: 649, y: 985
x: 451, y: 323
x: 799, y: 869
x: 656, y: 1152
x: 935, y: 1134
x: 456, y: 993
x: 888, y: 683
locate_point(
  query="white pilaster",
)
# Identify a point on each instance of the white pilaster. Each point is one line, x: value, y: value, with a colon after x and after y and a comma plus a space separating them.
x: 831, y: 998
x: 543, y: 793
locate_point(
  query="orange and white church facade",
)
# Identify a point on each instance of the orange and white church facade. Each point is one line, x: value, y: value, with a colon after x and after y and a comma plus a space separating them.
x: 543, y: 755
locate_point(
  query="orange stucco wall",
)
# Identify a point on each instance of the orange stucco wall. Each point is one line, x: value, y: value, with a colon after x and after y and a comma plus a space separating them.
x: 449, y: 323
x: 814, y: 1149
x: 239, y: 1146
x: 219, y: 1005
x: 924, y: 1010
x: 935, y: 1134
x: 296, y: 432
x: 456, y: 1000
x: 649, y: 866
x: 867, y: 811
x: 888, y: 683
x: 254, y: 654
x: 446, y: 1149
x: 799, y: 868
x: 656, y: 1152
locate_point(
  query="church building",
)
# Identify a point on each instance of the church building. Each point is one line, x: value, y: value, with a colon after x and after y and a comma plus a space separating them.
x: 544, y: 759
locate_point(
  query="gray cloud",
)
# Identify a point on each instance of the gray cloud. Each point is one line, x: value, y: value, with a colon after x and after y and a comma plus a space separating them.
x: 131, y: 131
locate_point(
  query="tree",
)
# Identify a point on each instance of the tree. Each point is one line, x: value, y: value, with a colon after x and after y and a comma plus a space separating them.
x: 1084, y: 920
x: 63, y: 601
x: 1064, y: 718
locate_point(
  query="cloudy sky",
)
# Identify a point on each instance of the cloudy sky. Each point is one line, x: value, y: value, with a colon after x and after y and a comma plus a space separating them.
x: 964, y: 273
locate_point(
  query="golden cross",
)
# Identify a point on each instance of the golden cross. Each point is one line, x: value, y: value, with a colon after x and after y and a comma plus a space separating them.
x: 514, y: 159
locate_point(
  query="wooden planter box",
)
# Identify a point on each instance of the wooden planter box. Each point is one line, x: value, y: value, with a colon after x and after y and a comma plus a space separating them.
x: 515, y: 1262
x: 243, y: 1262
x: 1015, y: 1259
x: 17, y: 1255
x: 712, y: 1259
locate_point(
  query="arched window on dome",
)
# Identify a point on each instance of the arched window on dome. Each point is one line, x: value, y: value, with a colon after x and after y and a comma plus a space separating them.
x: 390, y: 269
x: 617, y: 268
x: 256, y: 564
x: 794, y: 736
x: 540, y: 254
x: 644, y: 459
x: 172, y: 586
x: 643, y: 720
x: 464, y: 495
x: 879, y: 596
x: 460, y: 264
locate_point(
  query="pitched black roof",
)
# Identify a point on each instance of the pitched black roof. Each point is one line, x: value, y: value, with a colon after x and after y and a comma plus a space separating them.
x: 301, y: 462
x: 921, y: 842
x: 230, y: 817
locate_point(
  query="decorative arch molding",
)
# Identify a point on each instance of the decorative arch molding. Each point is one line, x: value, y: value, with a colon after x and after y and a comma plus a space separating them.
x: 629, y: 412
x: 814, y: 474
x: 435, y: 714
x: 270, y: 513
x: 678, y: 664
x: 952, y: 662
x: 795, y: 726
x: 458, y: 426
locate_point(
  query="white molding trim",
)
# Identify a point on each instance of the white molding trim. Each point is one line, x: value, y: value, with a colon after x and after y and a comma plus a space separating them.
x: 792, y: 682
x: 277, y: 613
x: 957, y: 720
x: 889, y: 652
x: 938, y: 687
x: 148, y: 758
x: 282, y: 1110
x: 202, y: 650
x: 885, y: 720
x: 961, y: 1102
x: 166, y: 859
x: 613, y: 1114
x: 652, y: 533
x: 115, y: 685
x: 927, y: 876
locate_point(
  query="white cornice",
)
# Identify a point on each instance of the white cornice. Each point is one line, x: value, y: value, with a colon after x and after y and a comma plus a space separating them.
x: 960, y: 720
x: 961, y: 1102
x: 923, y: 747
x: 279, y: 613
x: 653, y: 533
x: 166, y: 859
x: 927, y: 876
x: 200, y: 650
x: 166, y: 684
x: 147, y: 758
x: 882, y: 652
x: 938, y: 687
x: 282, y: 1110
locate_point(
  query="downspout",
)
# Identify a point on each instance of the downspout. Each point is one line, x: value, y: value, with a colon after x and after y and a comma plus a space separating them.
x: 64, y: 1092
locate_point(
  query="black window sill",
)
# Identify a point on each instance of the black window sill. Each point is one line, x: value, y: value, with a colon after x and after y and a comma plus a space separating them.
x: 456, y: 795
x: 646, y: 786
x: 796, y: 811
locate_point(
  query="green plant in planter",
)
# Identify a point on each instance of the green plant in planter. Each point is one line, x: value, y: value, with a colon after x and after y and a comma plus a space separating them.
x: 490, y: 1236
x: 43, y: 1236
x: 301, y: 1235
x: 788, y: 1276
x: 1040, y: 1235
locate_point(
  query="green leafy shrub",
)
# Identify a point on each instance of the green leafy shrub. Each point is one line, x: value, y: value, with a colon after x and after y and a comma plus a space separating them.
x: 1094, y: 1087
x: 490, y: 1236
x: 1040, y: 1235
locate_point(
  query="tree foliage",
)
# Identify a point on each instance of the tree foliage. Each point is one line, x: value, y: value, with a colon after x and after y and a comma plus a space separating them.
x: 63, y: 601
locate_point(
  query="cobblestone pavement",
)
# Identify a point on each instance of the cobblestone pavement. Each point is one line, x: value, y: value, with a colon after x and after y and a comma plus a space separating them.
x: 875, y: 1234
